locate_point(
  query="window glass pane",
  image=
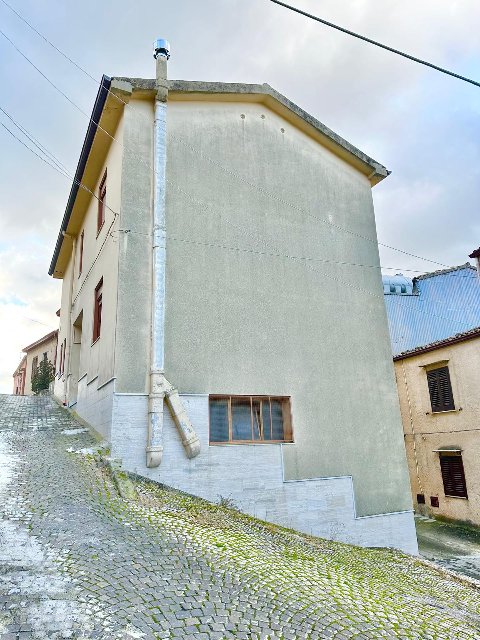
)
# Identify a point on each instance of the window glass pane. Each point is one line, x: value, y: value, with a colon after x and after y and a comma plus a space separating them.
x: 218, y: 420
x: 241, y: 420
x: 257, y: 420
x: 277, y: 420
x: 267, y: 425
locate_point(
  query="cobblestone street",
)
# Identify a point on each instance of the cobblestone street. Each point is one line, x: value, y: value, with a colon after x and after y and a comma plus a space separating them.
x: 79, y: 561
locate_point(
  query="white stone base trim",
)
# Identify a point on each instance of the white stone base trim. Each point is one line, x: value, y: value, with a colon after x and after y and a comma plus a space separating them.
x: 95, y: 404
x: 252, y: 477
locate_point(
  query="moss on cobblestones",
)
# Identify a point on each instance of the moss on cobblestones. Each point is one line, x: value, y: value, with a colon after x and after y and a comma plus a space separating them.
x: 164, y: 564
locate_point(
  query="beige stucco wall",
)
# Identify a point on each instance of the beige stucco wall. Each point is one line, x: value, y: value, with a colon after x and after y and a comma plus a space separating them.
x: 100, y: 259
x: 242, y: 318
x: 47, y: 347
x: 429, y: 431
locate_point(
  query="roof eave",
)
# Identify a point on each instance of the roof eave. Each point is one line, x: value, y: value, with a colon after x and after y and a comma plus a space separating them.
x: 87, y: 145
x: 459, y: 337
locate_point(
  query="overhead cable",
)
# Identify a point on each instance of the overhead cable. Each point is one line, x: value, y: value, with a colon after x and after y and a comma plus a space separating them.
x: 375, y: 43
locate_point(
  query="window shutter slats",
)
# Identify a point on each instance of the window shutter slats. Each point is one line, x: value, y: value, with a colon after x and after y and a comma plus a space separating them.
x: 453, y: 476
x: 440, y: 389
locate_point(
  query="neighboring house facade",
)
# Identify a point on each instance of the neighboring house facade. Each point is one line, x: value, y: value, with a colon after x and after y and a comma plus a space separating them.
x: 187, y: 283
x: 19, y: 377
x: 438, y: 383
x: 43, y: 349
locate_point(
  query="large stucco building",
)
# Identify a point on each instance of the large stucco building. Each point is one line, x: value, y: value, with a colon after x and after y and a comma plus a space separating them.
x: 435, y: 331
x: 209, y: 264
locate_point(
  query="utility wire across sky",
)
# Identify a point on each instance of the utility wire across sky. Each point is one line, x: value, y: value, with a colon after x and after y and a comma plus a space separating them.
x: 61, y: 169
x: 374, y: 42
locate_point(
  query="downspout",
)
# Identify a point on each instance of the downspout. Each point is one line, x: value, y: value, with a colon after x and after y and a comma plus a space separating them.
x: 160, y: 388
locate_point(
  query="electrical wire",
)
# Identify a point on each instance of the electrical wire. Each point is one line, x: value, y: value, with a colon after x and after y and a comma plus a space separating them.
x: 387, y: 246
x: 375, y: 43
x: 208, y: 244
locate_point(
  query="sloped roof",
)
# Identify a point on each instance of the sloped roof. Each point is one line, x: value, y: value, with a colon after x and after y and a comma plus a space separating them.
x: 47, y: 338
x: 446, y: 303
x: 199, y: 90
x: 20, y: 366
x: 438, y: 344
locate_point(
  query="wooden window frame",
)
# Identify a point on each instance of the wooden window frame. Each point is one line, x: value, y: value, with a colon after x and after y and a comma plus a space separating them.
x: 433, y: 378
x: 460, y: 490
x: 286, y: 416
x: 97, y: 311
x: 102, y: 194
x: 80, y: 260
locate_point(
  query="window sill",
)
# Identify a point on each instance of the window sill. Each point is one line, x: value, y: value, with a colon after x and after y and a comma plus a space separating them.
x: 457, y: 497
x: 439, y: 413
x: 249, y: 443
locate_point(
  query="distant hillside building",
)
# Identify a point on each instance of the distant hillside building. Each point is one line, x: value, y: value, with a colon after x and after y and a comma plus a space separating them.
x: 185, y: 286
x: 43, y: 349
x: 19, y: 377
x: 435, y: 329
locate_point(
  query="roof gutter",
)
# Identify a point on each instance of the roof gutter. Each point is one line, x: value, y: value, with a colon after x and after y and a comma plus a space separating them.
x: 87, y: 145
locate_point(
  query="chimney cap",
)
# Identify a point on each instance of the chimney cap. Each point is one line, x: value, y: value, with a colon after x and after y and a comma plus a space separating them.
x: 161, y: 47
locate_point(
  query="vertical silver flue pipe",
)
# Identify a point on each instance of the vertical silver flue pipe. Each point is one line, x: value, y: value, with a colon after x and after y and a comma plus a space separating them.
x: 161, y: 53
x: 160, y: 388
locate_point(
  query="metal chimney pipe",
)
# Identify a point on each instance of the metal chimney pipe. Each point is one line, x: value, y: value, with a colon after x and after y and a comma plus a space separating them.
x: 160, y: 389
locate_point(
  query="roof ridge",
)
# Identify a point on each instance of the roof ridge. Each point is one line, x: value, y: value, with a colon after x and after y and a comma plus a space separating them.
x: 438, y: 343
x: 440, y: 272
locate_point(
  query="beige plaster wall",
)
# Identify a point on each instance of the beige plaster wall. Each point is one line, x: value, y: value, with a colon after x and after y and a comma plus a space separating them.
x: 100, y: 259
x: 47, y: 347
x: 426, y: 431
x: 244, y: 318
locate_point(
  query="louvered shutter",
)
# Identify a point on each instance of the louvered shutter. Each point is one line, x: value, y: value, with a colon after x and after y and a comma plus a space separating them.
x: 440, y: 389
x: 453, y: 476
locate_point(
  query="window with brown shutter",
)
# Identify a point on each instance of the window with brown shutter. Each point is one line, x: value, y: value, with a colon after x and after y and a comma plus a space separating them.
x: 453, y: 476
x: 97, y: 311
x: 80, y: 261
x: 440, y: 389
x: 249, y: 419
x: 102, y: 196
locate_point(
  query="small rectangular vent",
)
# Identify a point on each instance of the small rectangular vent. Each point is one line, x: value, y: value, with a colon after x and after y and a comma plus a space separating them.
x: 434, y: 501
x: 420, y: 498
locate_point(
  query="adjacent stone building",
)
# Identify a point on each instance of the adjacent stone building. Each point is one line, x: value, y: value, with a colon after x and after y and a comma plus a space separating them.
x: 44, y: 348
x: 437, y: 317
x: 204, y: 269
x: 19, y: 377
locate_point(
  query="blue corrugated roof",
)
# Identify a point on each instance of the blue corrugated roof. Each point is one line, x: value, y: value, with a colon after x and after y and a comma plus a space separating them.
x: 437, y: 306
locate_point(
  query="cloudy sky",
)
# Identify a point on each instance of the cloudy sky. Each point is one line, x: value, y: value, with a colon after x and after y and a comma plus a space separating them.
x: 422, y: 125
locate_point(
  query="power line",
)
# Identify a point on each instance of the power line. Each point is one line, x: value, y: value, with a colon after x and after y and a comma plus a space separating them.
x: 375, y: 241
x: 375, y: 43
x: 62, y: 53
x: 216, y: 245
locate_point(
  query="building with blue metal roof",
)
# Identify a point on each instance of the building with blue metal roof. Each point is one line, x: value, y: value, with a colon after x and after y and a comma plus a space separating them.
x: 431, y: 307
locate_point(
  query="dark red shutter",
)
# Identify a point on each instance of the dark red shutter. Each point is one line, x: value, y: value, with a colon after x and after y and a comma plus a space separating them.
x: 440, y: 388
x: 453, y: 476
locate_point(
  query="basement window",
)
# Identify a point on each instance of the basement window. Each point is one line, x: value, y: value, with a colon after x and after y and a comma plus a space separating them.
x: 250, y: 419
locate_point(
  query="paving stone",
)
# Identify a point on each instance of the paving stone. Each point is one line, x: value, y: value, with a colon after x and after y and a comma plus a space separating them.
x: 77, y: 561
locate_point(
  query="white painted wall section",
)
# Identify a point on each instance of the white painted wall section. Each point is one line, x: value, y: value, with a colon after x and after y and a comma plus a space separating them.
x: 252, y: 476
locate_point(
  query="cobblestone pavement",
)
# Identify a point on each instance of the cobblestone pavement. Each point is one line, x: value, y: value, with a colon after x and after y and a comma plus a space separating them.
x: 78, y: 561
